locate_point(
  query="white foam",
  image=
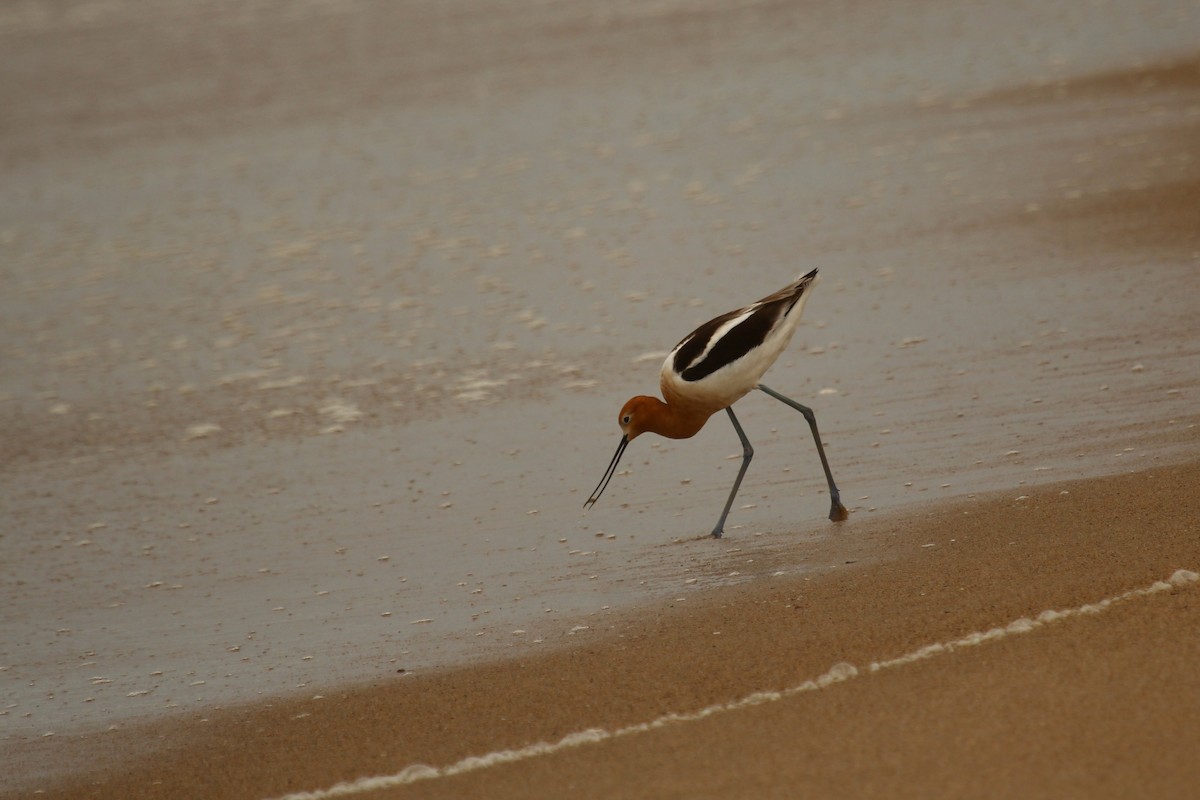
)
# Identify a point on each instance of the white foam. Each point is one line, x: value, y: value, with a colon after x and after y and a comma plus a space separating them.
x: 838, y: 673
x: 341, y: 411
x: 201, y: 431
x: 1179, y: 579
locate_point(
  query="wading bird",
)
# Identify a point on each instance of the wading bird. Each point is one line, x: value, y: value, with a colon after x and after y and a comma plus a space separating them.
x: 711, y: 369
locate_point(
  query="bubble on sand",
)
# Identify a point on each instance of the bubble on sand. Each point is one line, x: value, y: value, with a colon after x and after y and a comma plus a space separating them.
x: 341, y: 411
x: 483, y: 383
x: 836, y: 674
x: 201, y: 431
x: 282, y: 383
x: 288, y: 250
x: 237, y: 377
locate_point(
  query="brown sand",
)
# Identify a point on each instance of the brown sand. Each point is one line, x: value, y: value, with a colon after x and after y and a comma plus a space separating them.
x: 1098, y: 706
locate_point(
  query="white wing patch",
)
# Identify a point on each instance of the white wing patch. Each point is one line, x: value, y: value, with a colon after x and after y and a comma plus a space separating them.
x: 716, y: 336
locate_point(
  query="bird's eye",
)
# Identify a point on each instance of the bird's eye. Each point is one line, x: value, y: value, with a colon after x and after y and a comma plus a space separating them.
x: 625, y: 419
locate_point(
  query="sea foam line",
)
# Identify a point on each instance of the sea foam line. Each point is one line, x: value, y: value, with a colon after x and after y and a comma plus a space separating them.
x: 837, y: 674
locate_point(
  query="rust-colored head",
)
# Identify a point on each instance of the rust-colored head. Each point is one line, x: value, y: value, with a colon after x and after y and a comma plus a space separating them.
x: 636, y: 414
x: 634, y: 418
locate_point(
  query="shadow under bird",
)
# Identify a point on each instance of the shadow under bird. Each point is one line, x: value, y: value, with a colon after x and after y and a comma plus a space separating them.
x: 711, y: 369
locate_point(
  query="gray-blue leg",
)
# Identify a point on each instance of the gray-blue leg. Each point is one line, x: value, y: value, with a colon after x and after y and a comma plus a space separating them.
x: 837, y: 511
x: 747, y: 454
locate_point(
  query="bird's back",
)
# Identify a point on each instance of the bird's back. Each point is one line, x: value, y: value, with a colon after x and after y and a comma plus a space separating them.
x: 723, y: 359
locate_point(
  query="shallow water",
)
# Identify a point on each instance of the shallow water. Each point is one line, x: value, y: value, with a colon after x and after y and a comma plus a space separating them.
x: 312, y: 390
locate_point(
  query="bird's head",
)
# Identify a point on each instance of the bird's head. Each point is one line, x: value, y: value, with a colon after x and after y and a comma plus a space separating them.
x: 634, y: 417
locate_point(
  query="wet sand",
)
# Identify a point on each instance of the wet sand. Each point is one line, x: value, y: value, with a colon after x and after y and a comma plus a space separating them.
x: 317, y: 316
x: 1104, y: 704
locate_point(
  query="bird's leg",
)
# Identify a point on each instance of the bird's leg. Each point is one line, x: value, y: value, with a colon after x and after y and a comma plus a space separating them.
x: 837, y: 511
x: 747, y: 454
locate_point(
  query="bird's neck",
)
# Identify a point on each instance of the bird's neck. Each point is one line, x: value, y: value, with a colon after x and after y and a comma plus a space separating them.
x: 673, y: 421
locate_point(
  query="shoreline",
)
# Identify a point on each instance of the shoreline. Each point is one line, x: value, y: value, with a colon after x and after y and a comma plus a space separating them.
x: 992, y: 560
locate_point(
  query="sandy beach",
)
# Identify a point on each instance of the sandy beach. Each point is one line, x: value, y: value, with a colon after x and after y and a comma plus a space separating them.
x: 317, y: 318
x: 1100, y: 704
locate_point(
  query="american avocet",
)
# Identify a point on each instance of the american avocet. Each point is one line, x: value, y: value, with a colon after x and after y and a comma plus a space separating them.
x: 712, y: 368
